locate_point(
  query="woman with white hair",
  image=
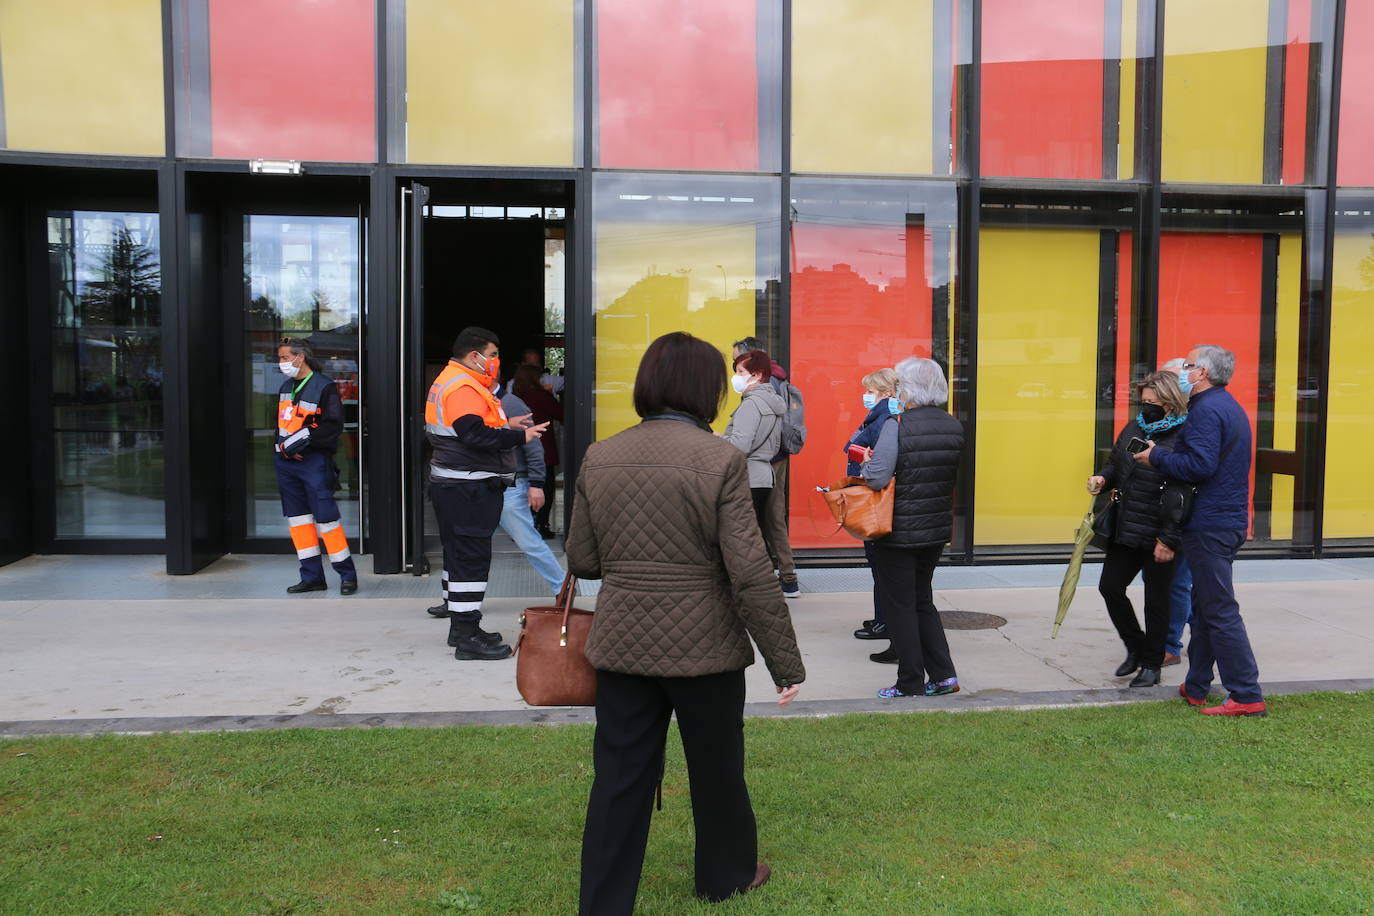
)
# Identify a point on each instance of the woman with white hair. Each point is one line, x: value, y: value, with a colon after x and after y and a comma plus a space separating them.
x: 922, y: 452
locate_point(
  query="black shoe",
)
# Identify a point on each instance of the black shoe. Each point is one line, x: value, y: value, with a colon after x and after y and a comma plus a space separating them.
x: 1129, y: 666
x: 348, y: 586
x: 460, y: 630
x: 1148, y: 677
x: 869, y: 623
x: 439, y: 610
x: 873, y: 630
x: 886, y: 657
x: 546, y: 532
x: 473, y: 648
x: 304, y: 586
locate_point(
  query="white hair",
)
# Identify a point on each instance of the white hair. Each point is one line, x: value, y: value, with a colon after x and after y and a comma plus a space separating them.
x: 1219, y: 362
x: 921, y: 382
x: 1173, y: 365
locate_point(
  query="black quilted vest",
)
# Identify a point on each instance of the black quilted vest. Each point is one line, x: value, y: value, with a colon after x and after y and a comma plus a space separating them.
x: 929, y: 443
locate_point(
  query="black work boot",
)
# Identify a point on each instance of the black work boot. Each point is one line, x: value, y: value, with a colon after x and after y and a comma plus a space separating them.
x: 471, y: 643
x: 439, y: 610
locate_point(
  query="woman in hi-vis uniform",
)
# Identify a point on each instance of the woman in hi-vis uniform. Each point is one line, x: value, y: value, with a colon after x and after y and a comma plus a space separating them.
x: 309, y: 421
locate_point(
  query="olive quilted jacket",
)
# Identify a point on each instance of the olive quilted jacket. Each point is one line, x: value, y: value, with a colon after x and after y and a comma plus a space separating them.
x: 662, y: 514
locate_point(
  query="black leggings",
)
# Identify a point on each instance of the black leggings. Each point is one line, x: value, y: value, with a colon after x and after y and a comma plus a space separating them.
x: 760, y: 496
x: 1118, y: 571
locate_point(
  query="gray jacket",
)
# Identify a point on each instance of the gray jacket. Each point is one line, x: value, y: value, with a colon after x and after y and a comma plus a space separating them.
x: 529, y: 458
x: 756, y: 429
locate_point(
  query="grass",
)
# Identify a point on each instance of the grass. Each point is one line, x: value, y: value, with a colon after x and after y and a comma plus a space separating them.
x: 1141, y: 808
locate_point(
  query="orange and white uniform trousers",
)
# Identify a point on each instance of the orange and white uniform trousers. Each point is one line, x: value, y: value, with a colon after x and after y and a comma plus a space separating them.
x: 307, y: 501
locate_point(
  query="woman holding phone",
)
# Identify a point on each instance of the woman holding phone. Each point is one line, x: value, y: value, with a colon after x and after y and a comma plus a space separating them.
x: 1137, y: 530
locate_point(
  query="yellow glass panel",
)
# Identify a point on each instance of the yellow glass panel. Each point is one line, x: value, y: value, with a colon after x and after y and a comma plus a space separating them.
x: 1037, y: 375
x: 1125, y: 150
x: 862, y: 86
x: 83, y: 77
x: 1214, y: 68
x: 490, y: 83
x: 1349, y: 508
x: 655, y: 278
x: 1286, y: 378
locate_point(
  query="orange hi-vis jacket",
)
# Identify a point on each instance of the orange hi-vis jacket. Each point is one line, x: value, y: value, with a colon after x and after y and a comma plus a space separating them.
x: 298, y: 414
x: 457, y: 392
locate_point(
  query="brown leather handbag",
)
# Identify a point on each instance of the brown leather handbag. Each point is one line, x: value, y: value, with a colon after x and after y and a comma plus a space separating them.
x: 551, y: 668
x: 859, y: 509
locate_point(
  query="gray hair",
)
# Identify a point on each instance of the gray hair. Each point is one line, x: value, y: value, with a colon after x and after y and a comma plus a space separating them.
x: 1173, y: 365
x: 1219, y: 362
x: 921, y: 382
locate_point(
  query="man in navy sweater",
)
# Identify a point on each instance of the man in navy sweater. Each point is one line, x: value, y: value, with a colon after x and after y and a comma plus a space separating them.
x: 1213, y: 453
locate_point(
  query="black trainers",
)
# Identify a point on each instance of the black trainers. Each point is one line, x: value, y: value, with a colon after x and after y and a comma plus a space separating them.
x: 886, y: 657
x: 872, y: 630
x: 348, y: 587
x: 791, y: 590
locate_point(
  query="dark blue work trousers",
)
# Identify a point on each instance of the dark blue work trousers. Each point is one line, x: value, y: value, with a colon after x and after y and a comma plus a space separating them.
x: 1219, y: 638
x: 307, y: 500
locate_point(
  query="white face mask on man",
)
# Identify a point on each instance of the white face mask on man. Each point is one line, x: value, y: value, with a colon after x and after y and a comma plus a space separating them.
x: 288, y: 369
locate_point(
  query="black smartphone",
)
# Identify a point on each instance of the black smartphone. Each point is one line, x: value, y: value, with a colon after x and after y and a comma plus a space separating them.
x: 1135, y: 446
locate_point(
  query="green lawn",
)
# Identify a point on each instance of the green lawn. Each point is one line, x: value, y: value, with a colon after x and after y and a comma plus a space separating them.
x: 1133, y: 809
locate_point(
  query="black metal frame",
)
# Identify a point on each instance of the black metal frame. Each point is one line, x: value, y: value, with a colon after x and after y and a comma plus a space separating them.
x: 191, y: 543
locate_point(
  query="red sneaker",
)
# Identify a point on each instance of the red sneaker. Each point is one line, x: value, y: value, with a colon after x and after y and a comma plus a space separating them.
x: 1191, y: 702
x: 1232, y: 708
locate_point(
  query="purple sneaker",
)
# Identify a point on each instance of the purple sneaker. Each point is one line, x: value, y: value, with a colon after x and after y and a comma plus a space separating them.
x: 891, y: 693
x: 940, y: 688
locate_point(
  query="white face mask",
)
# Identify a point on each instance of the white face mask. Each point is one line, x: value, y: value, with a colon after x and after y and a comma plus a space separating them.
x: 289, y: 370
x: 740, y: 383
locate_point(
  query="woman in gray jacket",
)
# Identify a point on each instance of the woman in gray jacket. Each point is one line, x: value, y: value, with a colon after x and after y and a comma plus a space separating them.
x: 756, y: 425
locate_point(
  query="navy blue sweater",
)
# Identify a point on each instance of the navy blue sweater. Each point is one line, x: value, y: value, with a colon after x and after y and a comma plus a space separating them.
x: 1213, y: 451
x: 867, y: 434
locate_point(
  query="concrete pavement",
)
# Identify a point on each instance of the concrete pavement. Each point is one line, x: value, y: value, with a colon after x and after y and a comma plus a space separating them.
x: 153, y: 663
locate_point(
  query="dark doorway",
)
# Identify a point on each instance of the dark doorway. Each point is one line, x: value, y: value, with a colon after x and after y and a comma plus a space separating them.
x: 492, y: 254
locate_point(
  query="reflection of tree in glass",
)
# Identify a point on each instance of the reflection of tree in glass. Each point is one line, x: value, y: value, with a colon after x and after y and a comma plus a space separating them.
x: 1367, y: 267
x: 130, y: 279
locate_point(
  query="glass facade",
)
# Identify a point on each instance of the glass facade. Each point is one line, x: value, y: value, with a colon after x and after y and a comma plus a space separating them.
x: 301, y: 279
x: 106, y: 317
x: 853, y: 181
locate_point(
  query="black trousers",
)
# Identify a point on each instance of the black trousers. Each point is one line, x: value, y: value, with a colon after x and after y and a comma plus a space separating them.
x: 1119, y: 569
x: 631, y: 726
x: 468, y: 512
x: 760, y: 497
x: 869, y: 547
x: 903, y: 576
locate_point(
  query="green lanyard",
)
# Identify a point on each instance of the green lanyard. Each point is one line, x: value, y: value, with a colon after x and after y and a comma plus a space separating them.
x: 299, y: 385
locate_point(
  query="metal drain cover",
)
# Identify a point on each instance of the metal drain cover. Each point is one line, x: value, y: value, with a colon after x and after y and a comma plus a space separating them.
x: 971, y: 620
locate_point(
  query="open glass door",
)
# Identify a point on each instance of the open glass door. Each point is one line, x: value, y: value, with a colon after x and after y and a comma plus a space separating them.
x: 413, y: 202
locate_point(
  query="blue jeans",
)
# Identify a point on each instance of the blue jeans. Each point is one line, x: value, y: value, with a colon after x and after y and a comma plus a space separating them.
x: 1180, y: 605
x: 518, y: 522
x: 1219, y: 637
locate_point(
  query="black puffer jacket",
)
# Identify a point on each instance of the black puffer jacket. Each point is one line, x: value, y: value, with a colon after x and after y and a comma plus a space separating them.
x: 929, y: 443
x: 1141, y: 516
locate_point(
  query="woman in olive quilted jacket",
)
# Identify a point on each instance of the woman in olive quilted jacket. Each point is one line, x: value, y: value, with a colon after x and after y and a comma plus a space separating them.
x: 663, y: 516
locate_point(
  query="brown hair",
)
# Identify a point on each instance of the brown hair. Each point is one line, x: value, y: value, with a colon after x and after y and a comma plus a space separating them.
x: 680, y: 372
x: 755, y: 362
x: 526, y: 379
x: 1165, y: 386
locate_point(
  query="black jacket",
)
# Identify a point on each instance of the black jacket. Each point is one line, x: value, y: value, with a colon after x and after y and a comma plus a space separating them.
x: 929, y: 443
x: 1141, y: 513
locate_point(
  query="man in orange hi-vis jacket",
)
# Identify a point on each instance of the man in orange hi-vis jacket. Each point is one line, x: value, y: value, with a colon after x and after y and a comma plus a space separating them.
x: 474, y: 461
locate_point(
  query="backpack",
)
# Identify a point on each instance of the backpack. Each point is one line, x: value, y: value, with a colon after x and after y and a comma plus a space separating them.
x: 793, y: 417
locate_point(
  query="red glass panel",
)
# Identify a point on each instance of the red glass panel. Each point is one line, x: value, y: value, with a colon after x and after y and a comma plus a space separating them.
x: 293, y: 79
x: 678, y: 84
x: 1042, y: 88
x: 1355, y: 156
x: 860, y: 301
x: 1295, y: 84
x: 1209, y: 293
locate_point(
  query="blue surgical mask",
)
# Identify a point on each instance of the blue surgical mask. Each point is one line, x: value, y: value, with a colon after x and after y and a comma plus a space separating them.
x: 870, y: 400
x: 894, y: 406
x: 1183, y: 382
